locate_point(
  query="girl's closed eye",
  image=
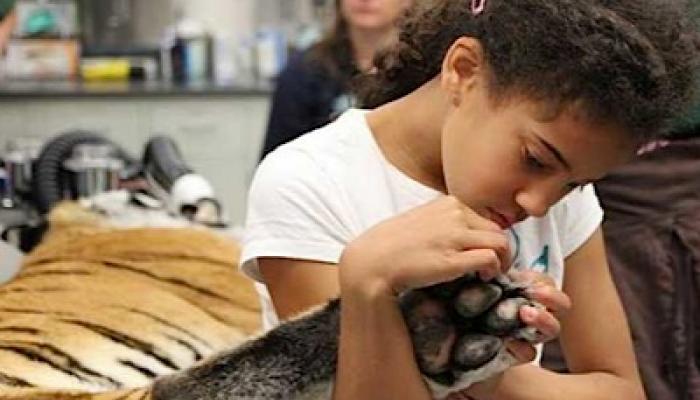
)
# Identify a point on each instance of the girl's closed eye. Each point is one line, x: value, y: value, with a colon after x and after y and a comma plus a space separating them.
x: 532, y: 161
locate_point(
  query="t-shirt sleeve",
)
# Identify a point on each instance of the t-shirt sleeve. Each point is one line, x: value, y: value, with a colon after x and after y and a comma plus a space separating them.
x: 580, y: 215
x: 292, y: 212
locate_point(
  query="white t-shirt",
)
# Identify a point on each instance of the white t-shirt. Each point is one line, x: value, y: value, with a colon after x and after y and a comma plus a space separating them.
x: 312, y: 196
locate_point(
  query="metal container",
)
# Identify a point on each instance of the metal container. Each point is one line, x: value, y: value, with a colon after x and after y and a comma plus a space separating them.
x: 124, y: 24
x: 95, y: 169
x: 6, y: 194
x: 19, y: 171
x: 19, y: 158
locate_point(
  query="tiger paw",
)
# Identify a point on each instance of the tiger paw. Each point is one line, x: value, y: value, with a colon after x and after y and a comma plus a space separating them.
x: 459, y: 329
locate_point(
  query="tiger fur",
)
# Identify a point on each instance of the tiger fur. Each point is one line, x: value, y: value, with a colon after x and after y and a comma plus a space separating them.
x: 95, y: 309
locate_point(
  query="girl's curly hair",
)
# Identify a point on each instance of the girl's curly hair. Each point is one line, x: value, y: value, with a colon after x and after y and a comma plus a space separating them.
x: 627, y: 62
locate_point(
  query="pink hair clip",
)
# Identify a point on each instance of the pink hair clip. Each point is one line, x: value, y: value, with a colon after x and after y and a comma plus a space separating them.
x: 478, y: 6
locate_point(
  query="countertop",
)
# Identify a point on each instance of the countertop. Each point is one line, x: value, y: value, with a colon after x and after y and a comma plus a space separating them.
x: 49, y: 89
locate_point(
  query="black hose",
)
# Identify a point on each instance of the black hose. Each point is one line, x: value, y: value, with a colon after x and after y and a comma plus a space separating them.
x: 49, y: 174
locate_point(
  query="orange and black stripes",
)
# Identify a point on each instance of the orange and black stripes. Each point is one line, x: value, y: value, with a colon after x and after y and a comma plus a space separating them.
x: 126, y: 340
x: 13, y: 381
x: 98, y: 314
x: 58, y: 360
x: 181, y: 281
x: 177, y: 328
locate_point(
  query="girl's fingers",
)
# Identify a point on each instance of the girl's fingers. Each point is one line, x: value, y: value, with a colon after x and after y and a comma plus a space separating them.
x: 542, y: 289
x: 476, y: 221
x: 496, y: 241
x: 524, y: 352
x: 458, y: 396
x: 485, y: 262
x: 556, y: 301
x: 542, y: 320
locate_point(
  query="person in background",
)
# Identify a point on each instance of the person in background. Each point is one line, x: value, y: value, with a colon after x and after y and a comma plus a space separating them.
x: 314, y: 87
x: 8, y: 20
x: 488, y: 121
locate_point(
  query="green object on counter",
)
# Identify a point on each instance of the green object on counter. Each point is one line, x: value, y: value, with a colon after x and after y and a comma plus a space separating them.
x: 5, y: 7
x: 40, y: 21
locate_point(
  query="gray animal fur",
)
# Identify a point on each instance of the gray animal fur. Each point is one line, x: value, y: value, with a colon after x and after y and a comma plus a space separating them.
x: 297, y: 361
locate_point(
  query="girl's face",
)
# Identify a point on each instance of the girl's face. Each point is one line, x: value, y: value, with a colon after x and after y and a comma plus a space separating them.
x: 372, y: 14
x: 508, y: 162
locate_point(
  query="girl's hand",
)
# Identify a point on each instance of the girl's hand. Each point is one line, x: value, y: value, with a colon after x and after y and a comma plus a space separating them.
x: 544, y: 291
x: 436, y: 242
x: 546, y: 320
x: 459, y: 396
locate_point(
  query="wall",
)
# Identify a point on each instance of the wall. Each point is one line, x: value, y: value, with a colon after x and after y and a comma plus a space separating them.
x: 235, y: 18
x: 225, y: 18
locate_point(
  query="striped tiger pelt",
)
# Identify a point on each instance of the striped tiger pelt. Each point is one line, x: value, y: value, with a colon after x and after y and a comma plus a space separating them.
x: 96, y: 309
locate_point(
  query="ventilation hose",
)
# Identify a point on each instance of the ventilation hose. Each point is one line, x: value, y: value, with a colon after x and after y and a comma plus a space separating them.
x: 50, y: 176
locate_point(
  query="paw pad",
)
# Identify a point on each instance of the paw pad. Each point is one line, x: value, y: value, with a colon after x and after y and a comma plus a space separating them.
x: 461, y: 326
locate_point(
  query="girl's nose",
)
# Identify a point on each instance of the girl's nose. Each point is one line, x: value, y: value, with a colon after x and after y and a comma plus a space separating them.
x: 536, y: 199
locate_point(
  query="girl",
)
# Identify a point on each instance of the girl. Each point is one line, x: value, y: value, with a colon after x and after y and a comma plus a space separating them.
x: 492, y: 119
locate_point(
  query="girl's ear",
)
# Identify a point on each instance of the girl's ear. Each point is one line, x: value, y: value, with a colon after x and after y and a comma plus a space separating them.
x: 461, y: 67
